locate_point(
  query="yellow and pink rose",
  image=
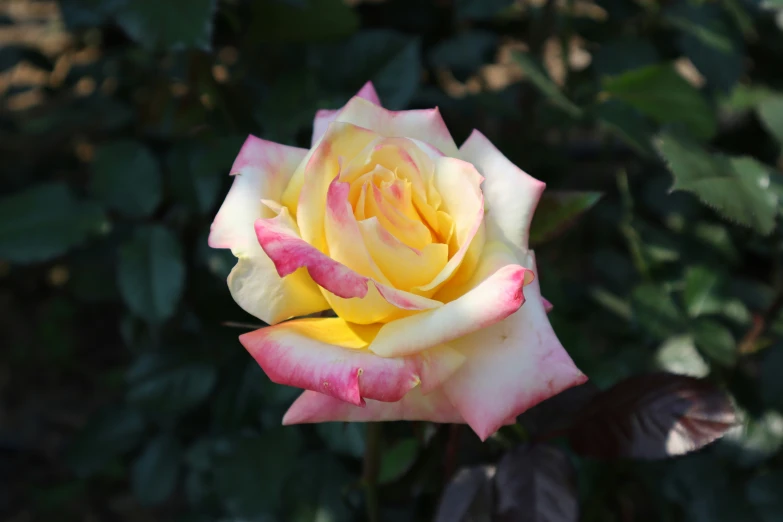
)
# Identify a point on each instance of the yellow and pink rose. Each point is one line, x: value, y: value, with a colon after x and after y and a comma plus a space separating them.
x: 420, y: 250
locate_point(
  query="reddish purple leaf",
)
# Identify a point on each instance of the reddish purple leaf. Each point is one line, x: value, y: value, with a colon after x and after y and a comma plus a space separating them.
x: 468, y: 497
x: 536, y: 483
x: 652, y: 416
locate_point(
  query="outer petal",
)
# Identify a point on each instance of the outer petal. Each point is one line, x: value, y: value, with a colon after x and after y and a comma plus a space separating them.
x: 510, y: 195
x: 415, y: 406
x: 426, y: 125
x: 326, y: 116
x: 261, y: 171
x: 327, y: 355
x: 497, y: 297
x: 289, y: 253
x: 510, y: 367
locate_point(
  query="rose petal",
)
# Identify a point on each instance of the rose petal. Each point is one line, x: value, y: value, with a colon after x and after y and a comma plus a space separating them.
x: 426, y: 125
x: 344, y: 239
x: 395, y: 258
x: 510, y: 367
x: 406, y: 160
x: 316, y: 407
x: 328, y: 355
x: 326, y: 116
x: 494, y: 299
x: 459, y: 184
x: 376, y: 302
x: 306, y: 192
x: 510, y: 194
x: 546, y: 304
x: 261, y: 171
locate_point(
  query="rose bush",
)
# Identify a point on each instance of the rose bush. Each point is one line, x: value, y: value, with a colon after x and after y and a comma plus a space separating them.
x: 420, y: 250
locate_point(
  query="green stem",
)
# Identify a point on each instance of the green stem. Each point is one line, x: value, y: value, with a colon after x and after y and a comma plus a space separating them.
x: 372, y: 465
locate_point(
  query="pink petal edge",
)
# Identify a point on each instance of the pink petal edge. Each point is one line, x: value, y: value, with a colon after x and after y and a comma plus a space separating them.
x: 510, y: 366
x: 312, y: 407
x: 261, y: 170
x: 289, y: 253
x: 289, y: 356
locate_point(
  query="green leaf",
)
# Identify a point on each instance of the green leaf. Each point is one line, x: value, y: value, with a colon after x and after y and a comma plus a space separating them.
x: 770, y: 111
x: 466, y: 52
x: 735, y: 187
x: 756, y: 440
x: 480, y: 9
x: 746, y: 97
x: 198, y: 170
x: 716, y: 341
x: 679, y: 355
x: 154, y: 474
x: 707, y: 29
x: 389, y: 59
x: 742, y: 20
x: 105, y: 437
x: 173, y: 24
x: 763, y: 492
x: 345, y: 438
x: 317, y: 20
x: 656, y: 312
x: 660, y: 93
x: 317, y: 489
x: 169, y: 385
x: 127, y: 178
x: 557, y: 210
x: 708, y: 490
x: 398, y: 459
x: 627, y: 124
x: 151, y: 273
x: 290, y: 103
x: 714, y: 47
x: 398, y: 79
x: 618, y: 56
x: 44, y: 222
x: 538, y: 77
x: 700, y: 294
x: 269, y: 455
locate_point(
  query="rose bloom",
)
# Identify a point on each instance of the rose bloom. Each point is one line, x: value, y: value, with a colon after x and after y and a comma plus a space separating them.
x: 419, y: 249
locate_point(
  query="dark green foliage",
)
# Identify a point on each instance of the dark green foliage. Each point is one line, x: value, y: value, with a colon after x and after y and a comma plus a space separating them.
x: 151, y: 273
x: 127, y: 178
x: 124, y: 392
x: 660, y: 93
x: 45, y: 221
x: 154, y: 474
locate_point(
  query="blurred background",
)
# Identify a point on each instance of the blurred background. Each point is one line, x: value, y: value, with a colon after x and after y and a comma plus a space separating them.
x: 124, y: 393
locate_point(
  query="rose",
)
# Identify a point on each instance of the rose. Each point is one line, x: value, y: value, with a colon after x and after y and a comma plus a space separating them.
x: 420, y: 250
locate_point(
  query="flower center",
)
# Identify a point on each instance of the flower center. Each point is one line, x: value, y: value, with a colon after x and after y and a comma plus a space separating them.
x: 389, y: 185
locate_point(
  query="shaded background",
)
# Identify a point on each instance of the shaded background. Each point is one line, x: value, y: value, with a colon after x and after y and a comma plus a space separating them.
x: 124, y: 393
